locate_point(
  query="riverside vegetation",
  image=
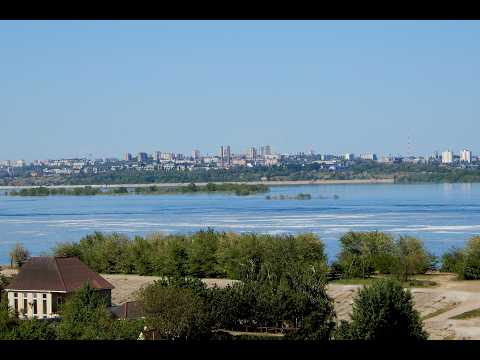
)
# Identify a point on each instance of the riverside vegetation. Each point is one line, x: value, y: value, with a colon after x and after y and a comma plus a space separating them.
x: 282, y: 288
x: 237, y: 189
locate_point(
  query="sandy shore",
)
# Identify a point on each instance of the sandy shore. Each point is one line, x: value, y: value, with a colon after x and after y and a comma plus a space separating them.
x: 268, y: 183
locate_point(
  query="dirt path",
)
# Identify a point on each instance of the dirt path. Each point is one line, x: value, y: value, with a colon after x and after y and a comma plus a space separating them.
x: 437, y: 305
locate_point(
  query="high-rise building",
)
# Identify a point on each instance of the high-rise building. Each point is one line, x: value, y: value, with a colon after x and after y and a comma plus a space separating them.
x: 157, y: 156
x: 196, y: 154
x: 251, y: 153
x: 141, y: 156
x: 127, y: 157
x: 447, y: 157
x: 466, y: 156
x: 369, y: 156
x: 349, y: 156
x: 167, y: 156
x: 265, y: 150
x: 225, y: 155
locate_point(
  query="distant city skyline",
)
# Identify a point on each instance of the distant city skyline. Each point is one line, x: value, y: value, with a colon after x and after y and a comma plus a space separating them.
x: 74, y: 88
x: 224, y: 151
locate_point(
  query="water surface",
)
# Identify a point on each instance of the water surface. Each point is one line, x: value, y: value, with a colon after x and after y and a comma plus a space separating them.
x: 443, y: 215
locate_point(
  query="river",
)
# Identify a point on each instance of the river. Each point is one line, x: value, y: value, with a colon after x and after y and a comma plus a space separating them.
x: 443, y: 215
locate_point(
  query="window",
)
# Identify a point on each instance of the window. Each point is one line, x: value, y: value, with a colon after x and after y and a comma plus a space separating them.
x: 35, y: 310
x: 25, y: 304
x: 15, y: 302
x: 44, y: 296
x: 59, y: 302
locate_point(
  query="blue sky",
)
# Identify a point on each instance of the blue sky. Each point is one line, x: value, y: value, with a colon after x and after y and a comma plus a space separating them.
x: 72, y: 88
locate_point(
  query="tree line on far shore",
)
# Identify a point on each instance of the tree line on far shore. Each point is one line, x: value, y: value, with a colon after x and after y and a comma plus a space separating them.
x: 237, y: 189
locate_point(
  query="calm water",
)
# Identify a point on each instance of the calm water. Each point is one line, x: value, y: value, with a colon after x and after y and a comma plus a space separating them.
x: 442, y: 215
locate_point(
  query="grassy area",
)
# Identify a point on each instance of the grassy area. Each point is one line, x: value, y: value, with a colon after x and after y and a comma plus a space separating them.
x: 367, y: 281
x: 467, y: 315
x: 440, y: 311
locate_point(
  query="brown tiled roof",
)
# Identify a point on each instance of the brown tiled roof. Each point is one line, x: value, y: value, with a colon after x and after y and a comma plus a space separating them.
x: 63, y: 274
x: 129, y: 310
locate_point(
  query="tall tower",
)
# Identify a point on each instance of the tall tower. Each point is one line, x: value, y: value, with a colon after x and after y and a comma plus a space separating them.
x: 222, y: 161
x: 225, y: 156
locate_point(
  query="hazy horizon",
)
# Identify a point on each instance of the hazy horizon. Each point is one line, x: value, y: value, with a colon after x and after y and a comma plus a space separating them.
x: 73, y: 88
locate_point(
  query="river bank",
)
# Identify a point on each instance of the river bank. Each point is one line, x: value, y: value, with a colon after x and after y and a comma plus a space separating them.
x: 267, y: 183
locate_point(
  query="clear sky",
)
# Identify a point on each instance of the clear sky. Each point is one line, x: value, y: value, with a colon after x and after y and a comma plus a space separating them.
x: 74, y: 88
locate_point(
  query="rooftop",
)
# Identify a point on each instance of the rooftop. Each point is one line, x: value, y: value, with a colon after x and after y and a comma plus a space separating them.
x: 59, y: 274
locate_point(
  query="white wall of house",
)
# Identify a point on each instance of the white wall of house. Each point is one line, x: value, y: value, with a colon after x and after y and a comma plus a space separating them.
x: 42, y: 311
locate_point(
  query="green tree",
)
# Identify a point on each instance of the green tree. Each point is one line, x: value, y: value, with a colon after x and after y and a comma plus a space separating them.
x: 202, y: 260
x: 68, y: 249
x: 363, y: 253
x: 175, y: 313
x: 85, y: 316
x: 412, y: 258
x: 384, y: 311
x: 453, y: 260
x: 471, y: 267
x: 8, y: 320
x: 140, y: 256
x: 18, y: 255
x: 211, y: 187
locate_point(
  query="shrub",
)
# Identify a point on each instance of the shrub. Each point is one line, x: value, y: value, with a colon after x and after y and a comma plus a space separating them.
x: 7, y: 318
x: 175, y: 313
x: 471, y: 269
x: 411, y: 258
x: 34, y: 330
x: 85, y: 316
x: 384, y: 311
x: 453, y: 261
x: 363, y: 253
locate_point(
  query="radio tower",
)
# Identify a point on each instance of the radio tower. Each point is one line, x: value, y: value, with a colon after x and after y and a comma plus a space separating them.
x: 409, y: 147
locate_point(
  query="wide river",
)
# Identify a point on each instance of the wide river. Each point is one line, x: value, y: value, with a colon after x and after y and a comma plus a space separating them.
x: 443, y: 215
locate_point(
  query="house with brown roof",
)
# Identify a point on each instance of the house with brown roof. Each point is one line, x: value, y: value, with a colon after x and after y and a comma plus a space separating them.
x: 43, y: 283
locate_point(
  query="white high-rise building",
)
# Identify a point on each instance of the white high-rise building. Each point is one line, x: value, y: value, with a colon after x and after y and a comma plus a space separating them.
x: 196, y: 154
x: 466, y: 156
x: 447, y: 157
x: 369, y: 156
x: 349, y: 156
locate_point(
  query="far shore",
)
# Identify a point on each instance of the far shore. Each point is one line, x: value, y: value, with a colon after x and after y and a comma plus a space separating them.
x: 268, y: 183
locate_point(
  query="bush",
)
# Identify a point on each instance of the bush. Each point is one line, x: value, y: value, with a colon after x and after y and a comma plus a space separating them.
x: 384, y: 311
x: 85, y: 316
x: 453, y: 261
x: 175, y: 313
x: 34, y: 330
x: 471, y: 268
x: 364, y: 253
x: 412, y: 258
x: 7, y: 318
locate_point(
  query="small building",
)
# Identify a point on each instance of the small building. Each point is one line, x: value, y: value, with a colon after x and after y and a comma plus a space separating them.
x: 130, y: 310
x: 43, y: 283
